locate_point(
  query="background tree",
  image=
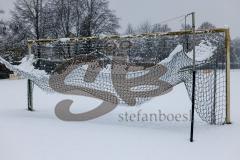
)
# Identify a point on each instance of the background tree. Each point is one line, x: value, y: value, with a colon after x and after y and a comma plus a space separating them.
x: 30, y: 13
x: 145, y: 27
x: 63, y: 13
x: 161, y: 28
x: 207, y: 25
x: 35, y: 19
x: 81, y: 18
x: 152, y: 49
x: 235, y: 55
x: 98, y: 18
x: 186, y: 27
x: 3, y: 28
x: 130, y: 30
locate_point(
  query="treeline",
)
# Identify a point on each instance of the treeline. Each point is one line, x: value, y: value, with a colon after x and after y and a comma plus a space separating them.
x: 147, y: 27
x: 42, y: 19
x: 38, y: 19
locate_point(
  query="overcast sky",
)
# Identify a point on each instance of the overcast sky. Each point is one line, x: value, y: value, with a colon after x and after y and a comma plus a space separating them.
x: 219, y: 12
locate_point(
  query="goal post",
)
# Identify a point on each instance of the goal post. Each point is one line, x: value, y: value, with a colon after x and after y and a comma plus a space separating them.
x: 212, y: 74
x: 228, y: 69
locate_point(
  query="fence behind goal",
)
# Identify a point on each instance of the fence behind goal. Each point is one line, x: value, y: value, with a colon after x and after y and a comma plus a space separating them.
x: 140, y: 54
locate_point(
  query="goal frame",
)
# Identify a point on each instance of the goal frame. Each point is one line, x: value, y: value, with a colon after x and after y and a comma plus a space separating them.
x: 226, y: 32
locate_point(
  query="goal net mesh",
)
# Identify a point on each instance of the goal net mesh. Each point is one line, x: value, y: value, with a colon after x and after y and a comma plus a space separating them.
x: 133, y: 69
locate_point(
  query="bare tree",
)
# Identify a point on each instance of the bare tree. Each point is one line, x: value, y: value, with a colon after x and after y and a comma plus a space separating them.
x: 78, y: 10
x: 186, y: 27
x: 207, y: 25
x: 83, y: 17
x: 145, y: 27
x: 35, y: 19
x: 130, y: 30
x: 235, y: 56
x: 3, y: 28
x: 29, y: 12
x: 161, y: 28
x: 63, y: 12
x: 98, y: 18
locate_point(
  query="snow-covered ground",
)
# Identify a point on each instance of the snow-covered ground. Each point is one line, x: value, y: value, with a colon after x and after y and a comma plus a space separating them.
x: 40, y: 135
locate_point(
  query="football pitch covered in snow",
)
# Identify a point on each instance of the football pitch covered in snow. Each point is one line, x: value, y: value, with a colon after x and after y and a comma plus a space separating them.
x: 40, y: 135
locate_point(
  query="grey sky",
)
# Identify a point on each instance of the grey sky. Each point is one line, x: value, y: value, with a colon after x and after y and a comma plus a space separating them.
x: 219, y: 12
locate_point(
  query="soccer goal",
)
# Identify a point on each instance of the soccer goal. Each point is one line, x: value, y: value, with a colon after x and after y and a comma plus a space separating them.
x: 133, y: 69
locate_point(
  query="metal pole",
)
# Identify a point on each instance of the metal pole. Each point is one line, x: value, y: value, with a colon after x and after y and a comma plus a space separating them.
x: 30, y: 86
x: 213, y: 112
x: 186, y: 47
x: 186, y: 41
x: 30, y: 95
x: 194, y: 77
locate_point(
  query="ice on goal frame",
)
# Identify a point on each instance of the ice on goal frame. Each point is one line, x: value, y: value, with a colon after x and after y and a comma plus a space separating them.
x: 212, y: 76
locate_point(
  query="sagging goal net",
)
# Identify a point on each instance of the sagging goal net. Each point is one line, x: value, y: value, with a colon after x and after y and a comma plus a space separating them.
x: 133, y: 69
